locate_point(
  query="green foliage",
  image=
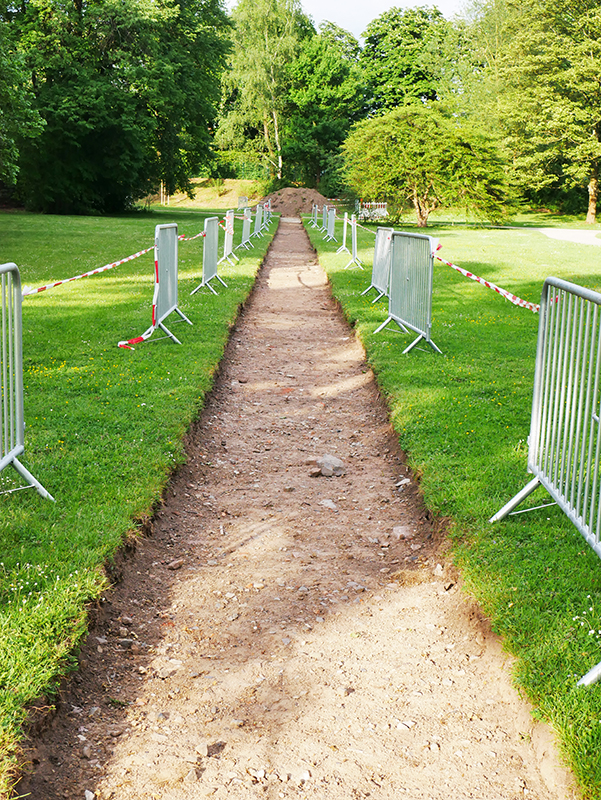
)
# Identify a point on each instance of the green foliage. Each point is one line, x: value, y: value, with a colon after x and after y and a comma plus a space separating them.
x: 425, y: 157
x: 18, y: 120
x: 325, y: 97
x: 127, y: 91
x: 404, y: 55
x: 268, y: 36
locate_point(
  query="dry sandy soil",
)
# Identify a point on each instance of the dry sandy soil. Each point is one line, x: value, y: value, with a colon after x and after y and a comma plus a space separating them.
x: 282, y: 634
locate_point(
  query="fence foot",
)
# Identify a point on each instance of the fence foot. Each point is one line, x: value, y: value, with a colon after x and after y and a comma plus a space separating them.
x: 25, y: 473
x: 592, y: 676
x: 515, y: 501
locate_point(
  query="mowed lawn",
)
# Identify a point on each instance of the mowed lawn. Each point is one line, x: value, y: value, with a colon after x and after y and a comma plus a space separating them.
x: 463, y: 418
x: 104, y: 425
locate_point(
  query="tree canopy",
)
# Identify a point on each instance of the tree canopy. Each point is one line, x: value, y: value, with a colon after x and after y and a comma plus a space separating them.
x: 424, y: 157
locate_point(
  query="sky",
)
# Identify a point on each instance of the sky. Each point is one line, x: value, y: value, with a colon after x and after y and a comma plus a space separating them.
x: 353, y: 15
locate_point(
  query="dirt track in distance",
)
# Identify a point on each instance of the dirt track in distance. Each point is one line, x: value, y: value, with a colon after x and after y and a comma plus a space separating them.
x: 279, y: 635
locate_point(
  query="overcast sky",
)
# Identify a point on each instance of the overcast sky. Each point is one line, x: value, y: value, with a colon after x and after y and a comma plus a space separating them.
x: 355, y: 14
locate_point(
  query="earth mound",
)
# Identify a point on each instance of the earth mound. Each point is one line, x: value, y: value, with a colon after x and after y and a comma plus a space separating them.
x: 290, y: 202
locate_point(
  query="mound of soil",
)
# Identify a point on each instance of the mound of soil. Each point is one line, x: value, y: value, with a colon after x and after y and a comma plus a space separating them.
x: 291, y: 202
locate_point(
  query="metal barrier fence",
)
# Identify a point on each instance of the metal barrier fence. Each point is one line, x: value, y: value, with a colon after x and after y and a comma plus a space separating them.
x: 258, y: 230
x: 331, y: 229
x: 267, y: 214
x: 343, y: 248
x: 410, y: 285
x: 354, y: 257
x: 380, y: 272
x: 246, y: 223
x: 210, y: 251
x: 242, y: 202
x: 12, y: 442
x: 372, y: 211
x: 324, y: 219
x: 314, y: 216
x: 165, y: 265
x: 228, y: 239
x: 565, y: 442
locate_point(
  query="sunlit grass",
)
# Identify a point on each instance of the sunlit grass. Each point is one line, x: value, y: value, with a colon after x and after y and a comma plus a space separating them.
x: 463, y: 418
x: 104, y: 425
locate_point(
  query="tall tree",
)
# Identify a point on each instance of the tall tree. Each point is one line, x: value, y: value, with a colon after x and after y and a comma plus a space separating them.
x: 326, y: 96
x: 423, y: 157
x: 127, y: 89
x: 403, y: 56
x: 550, y: 103
x: 18, y: 119
x: 268, y: 37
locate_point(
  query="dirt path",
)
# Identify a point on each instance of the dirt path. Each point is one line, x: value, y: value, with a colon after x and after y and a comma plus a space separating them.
x: 281, y: 635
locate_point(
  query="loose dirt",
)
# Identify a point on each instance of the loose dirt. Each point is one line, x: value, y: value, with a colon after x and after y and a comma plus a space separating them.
x: 279, y: 635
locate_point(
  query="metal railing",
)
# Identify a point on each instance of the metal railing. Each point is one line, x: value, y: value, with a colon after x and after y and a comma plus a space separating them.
x: 314, y: 216
x: 324, y: 219
x: 371, y: 211
x: 165, y: 278
x: 343, y: 248
x: 380, y: 272
x: 410, y: 286
x: 354, y: 257
x: 228, y: 239
x: 331, y: 226
x: 565, y: 443
x: 210, y: 252
x: 246, y: 223
x: 11, y: 379
x: 258, y: 229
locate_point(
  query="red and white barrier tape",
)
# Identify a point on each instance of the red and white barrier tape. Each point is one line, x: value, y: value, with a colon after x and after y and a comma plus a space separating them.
x: 517, y: 301
x: 27, y: 291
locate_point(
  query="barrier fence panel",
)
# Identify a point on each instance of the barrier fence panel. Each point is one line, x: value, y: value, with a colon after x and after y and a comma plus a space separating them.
x: 324, y: 219
x: 228, y: 239
x: 267, y: 214
x: 354, y: 257
x: 410, y: 285
x: 564, y: 444
x: 380, y: 272
x: 165, y: 300
x: 343, y: 248
x: 246, y: 223
x: 331, y: 229
x: 314, y: 216
x: 210, y: 251
x: 258, y: 221
x: 242, y: 202
x: 11, y: 379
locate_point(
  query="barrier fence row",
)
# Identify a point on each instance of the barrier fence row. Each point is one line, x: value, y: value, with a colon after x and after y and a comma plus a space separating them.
x: 164, y: 304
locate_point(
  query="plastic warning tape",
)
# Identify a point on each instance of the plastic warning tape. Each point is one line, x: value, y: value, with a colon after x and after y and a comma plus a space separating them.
x: 517, y: 301
x: 27, y: 291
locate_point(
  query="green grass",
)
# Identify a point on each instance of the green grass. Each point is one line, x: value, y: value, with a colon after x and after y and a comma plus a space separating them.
x: 104, y: 425
x: 463, y: 419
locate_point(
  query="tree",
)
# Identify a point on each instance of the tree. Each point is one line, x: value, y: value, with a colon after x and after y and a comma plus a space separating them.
x: 268, y: 36
x: 18, y: 119
x: 423, y: 157
x: 325, y: 98
x: 127, y: 90
x: 403, y: 56
x: 550, y: 99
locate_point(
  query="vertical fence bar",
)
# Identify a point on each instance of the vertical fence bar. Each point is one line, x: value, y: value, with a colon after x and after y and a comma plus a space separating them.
x: 354, y: 257
x: 12, y: 439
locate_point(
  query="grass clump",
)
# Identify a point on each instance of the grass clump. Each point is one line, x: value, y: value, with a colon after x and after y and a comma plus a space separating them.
x: 105, y: 425
x: 463, y: 418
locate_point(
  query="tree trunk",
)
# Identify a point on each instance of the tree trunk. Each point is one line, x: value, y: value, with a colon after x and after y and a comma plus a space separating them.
x: 593, y: 194
x: 278, y: 146
x: 421, y: 210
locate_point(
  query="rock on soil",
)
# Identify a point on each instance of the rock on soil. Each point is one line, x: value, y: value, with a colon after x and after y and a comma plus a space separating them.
x: 285, y: 636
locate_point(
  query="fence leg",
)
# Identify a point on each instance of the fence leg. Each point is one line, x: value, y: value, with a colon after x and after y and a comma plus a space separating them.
x: 592, y: 676
x: 25, y: 473
x: 515, y: 501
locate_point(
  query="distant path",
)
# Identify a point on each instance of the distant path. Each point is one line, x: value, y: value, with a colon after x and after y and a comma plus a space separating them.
x: 577, y: 236
x: 281, y: 635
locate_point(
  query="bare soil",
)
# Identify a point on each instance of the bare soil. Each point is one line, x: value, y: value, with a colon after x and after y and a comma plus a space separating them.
x: 291, y: 201
x: 278, y: 634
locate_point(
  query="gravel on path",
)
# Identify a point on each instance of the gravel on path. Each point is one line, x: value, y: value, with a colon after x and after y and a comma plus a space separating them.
x: 278, y: 633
